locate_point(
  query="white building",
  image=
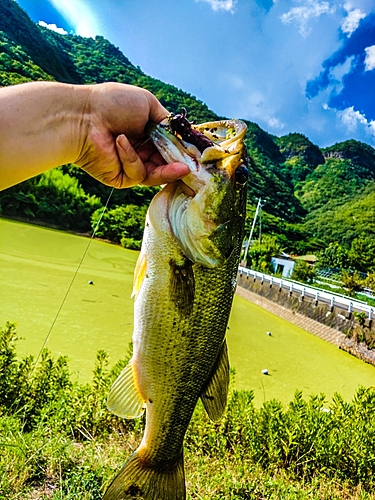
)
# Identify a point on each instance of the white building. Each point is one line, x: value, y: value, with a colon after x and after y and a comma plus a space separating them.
x: 283, y: 265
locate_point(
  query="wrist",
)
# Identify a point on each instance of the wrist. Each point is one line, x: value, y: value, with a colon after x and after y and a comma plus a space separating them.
x: 68, y: 122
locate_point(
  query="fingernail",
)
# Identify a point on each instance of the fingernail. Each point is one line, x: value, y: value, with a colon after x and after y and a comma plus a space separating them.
x: 123, y: 142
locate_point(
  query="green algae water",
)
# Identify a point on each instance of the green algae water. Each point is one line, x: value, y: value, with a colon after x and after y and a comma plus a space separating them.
x: 36, y: 269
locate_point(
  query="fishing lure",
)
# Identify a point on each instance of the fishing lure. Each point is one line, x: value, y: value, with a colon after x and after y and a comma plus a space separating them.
x: 180, y: 126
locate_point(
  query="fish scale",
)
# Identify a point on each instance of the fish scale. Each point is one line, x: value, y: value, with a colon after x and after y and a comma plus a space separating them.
x: 184, y: 284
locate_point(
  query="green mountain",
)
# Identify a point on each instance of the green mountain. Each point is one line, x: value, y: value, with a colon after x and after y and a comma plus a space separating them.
x: 300, y: 156
x: 347, y: 169
x: 22, y: 37
x: 311, y: 196
x: 344, y: 222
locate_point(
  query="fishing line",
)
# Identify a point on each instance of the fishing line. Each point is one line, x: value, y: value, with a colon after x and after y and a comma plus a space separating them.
x: 136, y: 147
x: 16, y: 403
x: 71, y: 283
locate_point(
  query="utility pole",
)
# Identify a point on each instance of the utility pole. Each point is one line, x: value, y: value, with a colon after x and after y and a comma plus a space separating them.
x: 252, y: 230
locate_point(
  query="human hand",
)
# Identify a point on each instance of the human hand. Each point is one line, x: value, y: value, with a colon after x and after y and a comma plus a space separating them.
x: 113, y: 146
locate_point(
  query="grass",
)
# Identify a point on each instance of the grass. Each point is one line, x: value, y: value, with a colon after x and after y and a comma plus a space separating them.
x: 60, y: 469
x: 293, y: 454
x: 38, y: 264
x: 59, y: 442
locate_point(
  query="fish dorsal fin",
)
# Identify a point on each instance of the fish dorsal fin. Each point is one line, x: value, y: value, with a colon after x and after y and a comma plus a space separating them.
x: 124, y: 399
x: 214, y: 395
x: 139, y: 273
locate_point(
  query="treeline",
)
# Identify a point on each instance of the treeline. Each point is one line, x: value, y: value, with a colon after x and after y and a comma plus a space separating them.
x: 53, y: 197
x: 58, y: 199
x: 58, y: 439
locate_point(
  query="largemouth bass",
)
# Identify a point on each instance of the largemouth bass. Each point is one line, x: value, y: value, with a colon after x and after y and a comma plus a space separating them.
x: 184, y: 283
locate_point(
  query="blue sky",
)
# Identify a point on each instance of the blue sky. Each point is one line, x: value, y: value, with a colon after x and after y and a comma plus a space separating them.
x: 289, y: 65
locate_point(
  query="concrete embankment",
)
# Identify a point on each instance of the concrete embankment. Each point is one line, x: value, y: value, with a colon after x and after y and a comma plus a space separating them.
x: 344, y: 332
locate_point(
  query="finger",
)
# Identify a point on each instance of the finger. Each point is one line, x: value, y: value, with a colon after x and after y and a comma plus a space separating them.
x: 165, y: 173
x: 133, y: 168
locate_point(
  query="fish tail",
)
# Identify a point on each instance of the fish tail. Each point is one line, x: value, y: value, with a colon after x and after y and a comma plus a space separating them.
x: 139, y: 480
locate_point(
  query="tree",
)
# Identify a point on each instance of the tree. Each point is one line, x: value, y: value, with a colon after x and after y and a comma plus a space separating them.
x: 302, y: 271
x: 51, y: 197
x: 369, y: 282
x: 121, y: 222
x: 334, y: 255
x: 352, y: 282
x: 260, y: 254
x: 362, y: 253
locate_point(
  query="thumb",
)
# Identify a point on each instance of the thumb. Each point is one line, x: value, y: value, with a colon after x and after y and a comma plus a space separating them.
x: 133, y: 168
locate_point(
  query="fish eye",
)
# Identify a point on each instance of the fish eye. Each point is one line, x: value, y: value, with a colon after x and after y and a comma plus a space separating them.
x: 241, y: 174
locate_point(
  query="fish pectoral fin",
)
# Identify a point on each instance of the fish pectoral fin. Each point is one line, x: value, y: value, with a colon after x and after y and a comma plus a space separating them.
x: 214, y: 395
x: 139, y: 273
x: 124, y: 399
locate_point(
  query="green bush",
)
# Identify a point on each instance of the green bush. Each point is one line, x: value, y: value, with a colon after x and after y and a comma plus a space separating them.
x: 58, y: 434
x: 305, y: 439
x: 51, y: 197
x: 351, y: 282
x: 43, y: 393
x: 125, y: 221
x: 302, y: 271
x: 131, y: 243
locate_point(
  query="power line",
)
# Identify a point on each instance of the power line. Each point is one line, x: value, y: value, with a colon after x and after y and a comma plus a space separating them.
x: 259, y: 205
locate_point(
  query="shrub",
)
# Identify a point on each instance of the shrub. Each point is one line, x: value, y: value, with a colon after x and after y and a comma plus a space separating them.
x: 352, y: 282
x: 51, y: 197
x: 131, y: 243
x: 59, y: 432
x: 302, y: 271
x: 121, y: 222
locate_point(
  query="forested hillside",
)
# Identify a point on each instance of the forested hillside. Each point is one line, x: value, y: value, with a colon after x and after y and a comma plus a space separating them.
x: 311, y: 197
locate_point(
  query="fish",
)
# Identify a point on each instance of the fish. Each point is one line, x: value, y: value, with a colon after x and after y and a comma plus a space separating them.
x: 184, y: 283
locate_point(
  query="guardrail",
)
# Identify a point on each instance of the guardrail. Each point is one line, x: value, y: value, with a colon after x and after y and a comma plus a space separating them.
x: 318, y: 295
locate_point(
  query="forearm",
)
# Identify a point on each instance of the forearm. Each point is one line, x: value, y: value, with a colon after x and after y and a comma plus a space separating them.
x: 46, y: 124
x: 39, y: 128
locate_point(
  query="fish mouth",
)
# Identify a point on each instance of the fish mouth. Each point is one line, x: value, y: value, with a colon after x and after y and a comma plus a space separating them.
x: 225, y: 139
x: 195, y: 202
x: 224, y: 136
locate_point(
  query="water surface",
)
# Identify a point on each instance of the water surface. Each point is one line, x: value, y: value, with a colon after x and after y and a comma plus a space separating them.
x: 37, y: 268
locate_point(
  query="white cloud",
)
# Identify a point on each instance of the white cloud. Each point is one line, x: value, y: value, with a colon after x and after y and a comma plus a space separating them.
x: 53, y: 27
x: 351, y: 22
x: 257, y: 107
x: 275, y: 124
x: 79, y: 14
x: 234, y: 81
x: 302, y: 15
x: 353, y: 119
x: 370, y: 58
x: 227, y: 5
